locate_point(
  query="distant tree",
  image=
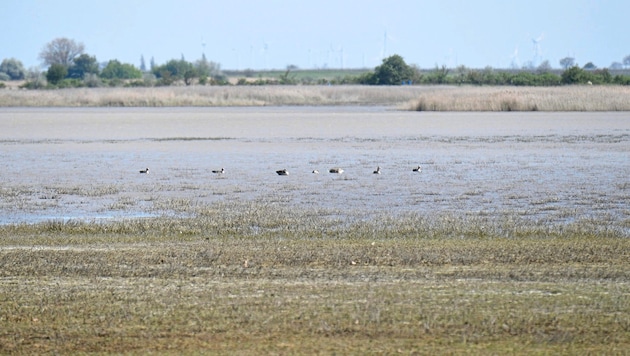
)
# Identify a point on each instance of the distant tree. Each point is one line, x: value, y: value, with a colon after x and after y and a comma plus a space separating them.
x: 13, y: 68
x: 439, y: 75
x: 567, y: 62
x: 603, y: 75
x: 208, y: 69
x: 143, y: 66
x: 61, y: 51
x: 116, y: 70
x: 56, y: 72
x: 203, y: 66
x: 626, y: 60
x: 393, y: 71
x: 616, y: 65
x: 590, y: 66
x: 190, y: 75
x: 544, y: 67
x: 35, y: 79
x: 529, y: 65
x: 174, y: 70
x: 152, y: 64
x: 82, y: 65
x: 574, y: 75
x: 92, y: 80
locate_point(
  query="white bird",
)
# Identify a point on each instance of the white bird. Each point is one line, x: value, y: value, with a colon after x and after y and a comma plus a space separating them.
x: 316, y: 172
x: 283, y: 172
x: 144, y: 171
x: 419, y: 169
x: 219, y: 172
x: 378, y: 170
x: 336, y: 170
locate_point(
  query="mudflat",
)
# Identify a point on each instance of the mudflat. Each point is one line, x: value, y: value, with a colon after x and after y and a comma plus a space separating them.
x: 67, y: 163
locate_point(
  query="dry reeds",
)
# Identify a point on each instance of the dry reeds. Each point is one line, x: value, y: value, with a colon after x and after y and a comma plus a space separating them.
x: 420, y: 98
x: 565, y: 98
x: 211, y: 96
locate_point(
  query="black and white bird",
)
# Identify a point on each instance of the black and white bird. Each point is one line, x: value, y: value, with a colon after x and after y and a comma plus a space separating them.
x: 336, y: 170
x: 283, y: 172
x: 419, y: 169
x: 219, y: 171
x: 378, y: 170
x: 146, y: 171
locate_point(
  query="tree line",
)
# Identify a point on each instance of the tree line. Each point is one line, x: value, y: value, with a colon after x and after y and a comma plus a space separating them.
x: 69, y: 66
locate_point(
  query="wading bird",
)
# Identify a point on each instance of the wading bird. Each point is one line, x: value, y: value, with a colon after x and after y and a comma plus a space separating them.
x: 219, y: 172
x: 419, y: 169
x: 336, y: 170
x: 378, y: 170
x: 283, y: 172
x: 146, y: 171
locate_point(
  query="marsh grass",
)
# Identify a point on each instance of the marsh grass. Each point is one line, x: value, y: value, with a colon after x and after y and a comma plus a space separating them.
x: 212, y: 96
x: 420, y: 98
x: 258, y: 278
x: 564, y: 98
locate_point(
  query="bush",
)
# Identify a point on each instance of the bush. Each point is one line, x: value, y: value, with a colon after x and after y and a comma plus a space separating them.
x: 574, y: 75
x: 69, y: 83
x: 117, y: 70
x: 82, y: 66
x: 56, y: 73
x: 92, y: 80
x: 13, y: 69
x: 393, y: 71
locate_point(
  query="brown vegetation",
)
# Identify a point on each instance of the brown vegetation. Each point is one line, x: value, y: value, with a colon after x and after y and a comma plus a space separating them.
x: 422, y: 98
x: 565, y: 98
x: 211, y: 284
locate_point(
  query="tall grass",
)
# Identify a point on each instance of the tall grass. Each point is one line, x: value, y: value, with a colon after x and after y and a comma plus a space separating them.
x: 565, y: 98
x: 212, y: 96
x: 421, y: 98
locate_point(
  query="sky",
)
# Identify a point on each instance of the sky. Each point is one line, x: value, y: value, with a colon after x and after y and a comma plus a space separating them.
x: 273, y: 34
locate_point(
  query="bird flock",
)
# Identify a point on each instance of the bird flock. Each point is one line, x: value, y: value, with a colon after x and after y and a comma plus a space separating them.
x: 285, y: 172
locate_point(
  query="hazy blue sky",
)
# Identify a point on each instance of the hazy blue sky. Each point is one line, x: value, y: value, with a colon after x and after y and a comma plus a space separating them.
x: 242, y: 34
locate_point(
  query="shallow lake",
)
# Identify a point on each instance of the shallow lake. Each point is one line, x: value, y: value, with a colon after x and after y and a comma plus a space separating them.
x: 67, y: 163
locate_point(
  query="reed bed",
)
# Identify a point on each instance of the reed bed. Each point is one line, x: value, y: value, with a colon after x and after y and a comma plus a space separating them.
x: 211, y: 96
x: 564, y: 98
x: 258, y: 278
x: 421, y: 98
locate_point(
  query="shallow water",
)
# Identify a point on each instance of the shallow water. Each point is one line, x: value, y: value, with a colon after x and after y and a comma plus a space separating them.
x: 84, y: 163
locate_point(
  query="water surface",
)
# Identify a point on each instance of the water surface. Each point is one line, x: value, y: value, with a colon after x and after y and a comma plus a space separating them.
x: 67, y: 163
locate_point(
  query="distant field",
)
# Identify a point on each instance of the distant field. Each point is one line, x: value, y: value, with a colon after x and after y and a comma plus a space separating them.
x: 422, y: 98
x: 300, y: 75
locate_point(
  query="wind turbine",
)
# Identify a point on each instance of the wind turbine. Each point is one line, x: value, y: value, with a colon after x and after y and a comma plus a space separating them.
x: 265, y: 49
x: 386, y: 38
x: 514, y: 59
x: 537, y: 52
x: 338, y: 55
